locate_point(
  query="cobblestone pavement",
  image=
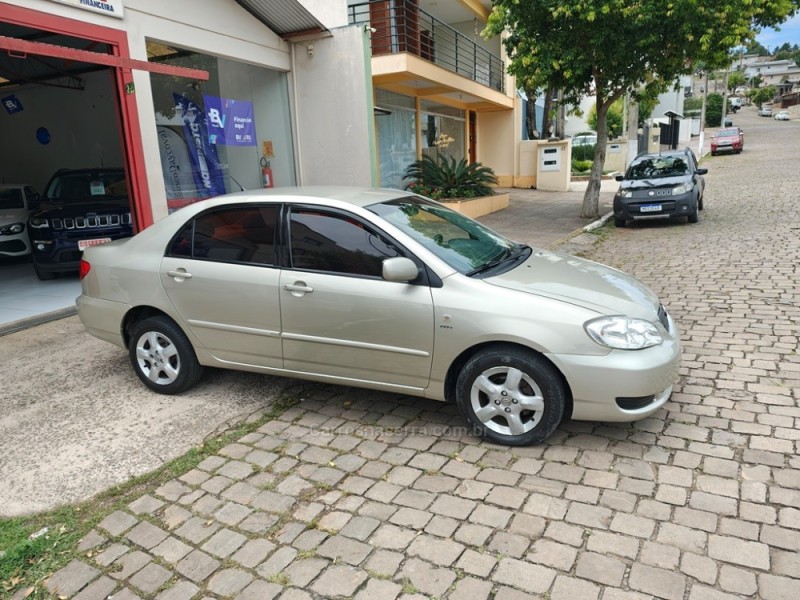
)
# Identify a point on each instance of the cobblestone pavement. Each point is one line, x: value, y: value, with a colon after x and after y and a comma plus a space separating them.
x: 354, y: 494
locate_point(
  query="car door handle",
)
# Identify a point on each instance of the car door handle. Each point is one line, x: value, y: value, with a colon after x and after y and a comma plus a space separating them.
x: 298, y: 288
x: 179, y: 274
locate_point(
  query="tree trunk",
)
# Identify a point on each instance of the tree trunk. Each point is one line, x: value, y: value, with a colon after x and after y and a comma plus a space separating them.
x: 591, y: 199
x: 547, y: 117
x: 530, y: 117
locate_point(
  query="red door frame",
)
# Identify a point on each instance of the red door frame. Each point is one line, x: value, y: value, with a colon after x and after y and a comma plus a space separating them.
x: 127, y: 113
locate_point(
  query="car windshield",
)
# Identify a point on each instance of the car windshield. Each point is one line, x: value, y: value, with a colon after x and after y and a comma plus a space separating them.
x: 11, y: 198
x: 655, y: 167
x: 87, y: 185
x: 461, y: 242
x: 728, y: 133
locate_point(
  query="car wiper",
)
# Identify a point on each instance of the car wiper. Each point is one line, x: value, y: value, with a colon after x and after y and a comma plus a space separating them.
x: 512, y: 254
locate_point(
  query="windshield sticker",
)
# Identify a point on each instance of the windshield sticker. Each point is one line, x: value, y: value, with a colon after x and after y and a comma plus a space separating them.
x: 96, y: 188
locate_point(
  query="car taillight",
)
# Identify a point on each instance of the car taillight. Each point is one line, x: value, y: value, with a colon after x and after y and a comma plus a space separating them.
x: 84, y: 268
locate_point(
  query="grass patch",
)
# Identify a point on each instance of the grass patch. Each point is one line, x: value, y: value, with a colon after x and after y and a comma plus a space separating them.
x: 34, y: 547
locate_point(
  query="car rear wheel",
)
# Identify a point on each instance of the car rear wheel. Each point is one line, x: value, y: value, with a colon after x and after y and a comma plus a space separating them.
x: 162, y: 356
x: 511, y: 395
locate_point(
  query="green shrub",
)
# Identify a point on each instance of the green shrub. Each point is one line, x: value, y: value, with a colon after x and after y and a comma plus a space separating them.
x: 581, y: 166
x: 445, y: 178
x: 713, y: 110
x: 585, y: 152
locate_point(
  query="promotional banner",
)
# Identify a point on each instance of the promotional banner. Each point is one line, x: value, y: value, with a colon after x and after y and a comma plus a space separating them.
x: 203, y: 154
x: 230, y: 122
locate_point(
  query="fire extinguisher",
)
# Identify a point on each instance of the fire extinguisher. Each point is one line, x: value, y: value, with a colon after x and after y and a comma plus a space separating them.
x: 266, y: 174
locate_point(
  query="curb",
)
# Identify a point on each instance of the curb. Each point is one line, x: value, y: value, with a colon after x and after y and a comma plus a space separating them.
x: 21, y: 324
x: 586, y: 228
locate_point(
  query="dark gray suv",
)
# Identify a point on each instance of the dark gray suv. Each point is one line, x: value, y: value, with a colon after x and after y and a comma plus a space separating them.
x: 665, y: 185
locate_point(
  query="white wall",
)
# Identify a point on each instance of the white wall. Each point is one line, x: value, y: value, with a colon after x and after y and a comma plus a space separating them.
x: 89, y: 137
x: 333, y: 102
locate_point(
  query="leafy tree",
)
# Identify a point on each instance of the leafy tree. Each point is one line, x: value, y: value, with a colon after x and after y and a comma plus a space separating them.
x: 613, y: 119
x: 754, y: 47
x: 610, y: 47
x: 714, y: 110
x: 735, y: 80
x: 760, y: 95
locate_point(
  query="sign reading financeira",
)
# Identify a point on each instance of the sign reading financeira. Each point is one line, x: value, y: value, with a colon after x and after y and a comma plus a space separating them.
x: 112, y: 8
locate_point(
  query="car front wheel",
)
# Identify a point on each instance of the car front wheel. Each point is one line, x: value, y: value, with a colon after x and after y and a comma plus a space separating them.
x: 162, y: 356
x: 511, y: 395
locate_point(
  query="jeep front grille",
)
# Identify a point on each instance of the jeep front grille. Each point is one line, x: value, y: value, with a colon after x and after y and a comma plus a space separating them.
x: 91, y: 222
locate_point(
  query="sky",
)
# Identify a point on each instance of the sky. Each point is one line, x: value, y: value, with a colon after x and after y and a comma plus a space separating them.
x: 790, y: 32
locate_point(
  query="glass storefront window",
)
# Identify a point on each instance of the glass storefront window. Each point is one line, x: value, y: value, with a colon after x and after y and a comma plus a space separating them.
x: 395, y: 125
x: 442, y: 130
x: 213, y: 134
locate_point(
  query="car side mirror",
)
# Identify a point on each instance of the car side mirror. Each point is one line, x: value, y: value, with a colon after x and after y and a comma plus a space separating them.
x: 400, y: 269
x: 619, y: 177
x: 702, y: 171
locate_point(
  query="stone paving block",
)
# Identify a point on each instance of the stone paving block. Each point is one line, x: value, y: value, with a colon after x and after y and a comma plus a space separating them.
x: 491, y: 516
x: 740, y: 552
x: 531, y: 578
x: 99, y: 589
x: 612, y: 543
x: 91, y: 540
x: 227, y: 582
x: 426, y: 578
x: 377, y: 589
x: 303, y: 571
x: 258, y: 522
x: 659, y: 555
x: 658, y: 582
x: 700, y: 567
x: 197, y: 566
x: 570, y: 588
x: 339, y: 580
x: 360, y: 528
x: 601, y: 569
x: 552, y: 554
x: 509, y: 544
x: 437, y: 551
x: 631, y: 525
x: 147, y: 535
x: 128, y: 564
x: 340, y: 548
x: 309, y: 540
x: 150, y: 578
x: 739, y: 581
x: 277, y: 562
x: 473, y: 535
x: 597, y: 517
x: 476, y: 563
x: 71, y: 579
x: 118, y: 523
x: 111, y: 553
x: 171, y: 550
x: 452, y: 506
x: 253, y: 552
x: 383, y: 563
x: 701, y: 592
x: 145, y: 505
x: 182, y: 590
x: 196, y: 530
x: 476, y: 490
x: 470, y: 588
x: 442, y: 526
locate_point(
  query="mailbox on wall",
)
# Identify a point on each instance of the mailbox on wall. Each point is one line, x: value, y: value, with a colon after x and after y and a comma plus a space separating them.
x: 550, y: 158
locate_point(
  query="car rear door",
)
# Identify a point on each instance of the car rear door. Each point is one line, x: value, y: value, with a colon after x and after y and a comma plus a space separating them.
x: 221, y: 276
x: 339, y: 317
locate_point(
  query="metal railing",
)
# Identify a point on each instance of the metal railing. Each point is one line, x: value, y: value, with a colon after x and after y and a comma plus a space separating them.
x: 400, y: 26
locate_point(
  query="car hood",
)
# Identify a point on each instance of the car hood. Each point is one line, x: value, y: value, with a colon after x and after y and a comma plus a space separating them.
x: 726, y: 137
x: 78, y: 207
x: 13, y: 215
x: 581, y: 282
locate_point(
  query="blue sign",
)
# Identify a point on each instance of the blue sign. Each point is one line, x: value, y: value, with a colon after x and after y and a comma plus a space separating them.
x: 230, y: 122
x: 12, y: 104
x: 206, y: 170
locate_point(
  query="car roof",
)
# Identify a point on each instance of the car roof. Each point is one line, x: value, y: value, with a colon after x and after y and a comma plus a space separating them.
x: 357, y: 196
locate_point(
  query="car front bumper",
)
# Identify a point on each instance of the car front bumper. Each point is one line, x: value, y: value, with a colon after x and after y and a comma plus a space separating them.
x: 624, y: 385
x: 669, y: 207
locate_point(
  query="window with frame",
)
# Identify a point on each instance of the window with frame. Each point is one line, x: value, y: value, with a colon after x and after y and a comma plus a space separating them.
x: 325, y: 241
x: 238, y: 235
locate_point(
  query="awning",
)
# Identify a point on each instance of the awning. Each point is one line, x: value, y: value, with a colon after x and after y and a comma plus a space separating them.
x: 287, y: 18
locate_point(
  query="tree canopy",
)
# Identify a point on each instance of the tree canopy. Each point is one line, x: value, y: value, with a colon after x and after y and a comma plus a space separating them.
x: 610, y: 47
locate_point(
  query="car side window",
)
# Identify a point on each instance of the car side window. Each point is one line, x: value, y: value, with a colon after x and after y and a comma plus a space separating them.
x: 235, y: 235
x: 325, y: 241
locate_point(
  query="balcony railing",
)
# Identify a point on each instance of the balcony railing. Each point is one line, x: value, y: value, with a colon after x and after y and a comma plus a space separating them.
x: 400, y: 26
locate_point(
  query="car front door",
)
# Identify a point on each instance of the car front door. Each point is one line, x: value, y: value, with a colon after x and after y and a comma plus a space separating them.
x: 220, y: 275
x: 339, y: 317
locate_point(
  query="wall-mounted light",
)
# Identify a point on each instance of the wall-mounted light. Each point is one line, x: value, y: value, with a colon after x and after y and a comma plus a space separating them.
x: 310, y: 49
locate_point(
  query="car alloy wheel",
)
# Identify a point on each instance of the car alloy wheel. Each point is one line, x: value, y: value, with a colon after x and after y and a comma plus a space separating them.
x: 511, y: 395
x: 162, y: 356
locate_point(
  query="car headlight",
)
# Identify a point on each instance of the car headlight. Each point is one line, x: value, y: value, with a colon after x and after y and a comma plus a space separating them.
x: 39, y: 223
x: 12, y: 229
x: 625, y: 193
x: 682, y: 188
x: 623, y: 333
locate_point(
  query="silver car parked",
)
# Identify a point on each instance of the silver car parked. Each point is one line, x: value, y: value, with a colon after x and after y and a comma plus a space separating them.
x: 387, y: 290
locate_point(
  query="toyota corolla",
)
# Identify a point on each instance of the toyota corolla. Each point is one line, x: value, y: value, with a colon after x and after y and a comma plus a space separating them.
x: 386, y: 290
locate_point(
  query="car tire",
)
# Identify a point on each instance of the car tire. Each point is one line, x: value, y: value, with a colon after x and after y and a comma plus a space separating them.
x: 511, y: 395
x: 162, y: 356
x: 694, y: 218
x: 700, y: 203
x: 713, y: 154
x: 43, y: 275
x: 619, y: 222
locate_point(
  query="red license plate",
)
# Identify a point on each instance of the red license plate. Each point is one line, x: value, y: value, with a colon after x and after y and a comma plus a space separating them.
x: 84, y: 244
